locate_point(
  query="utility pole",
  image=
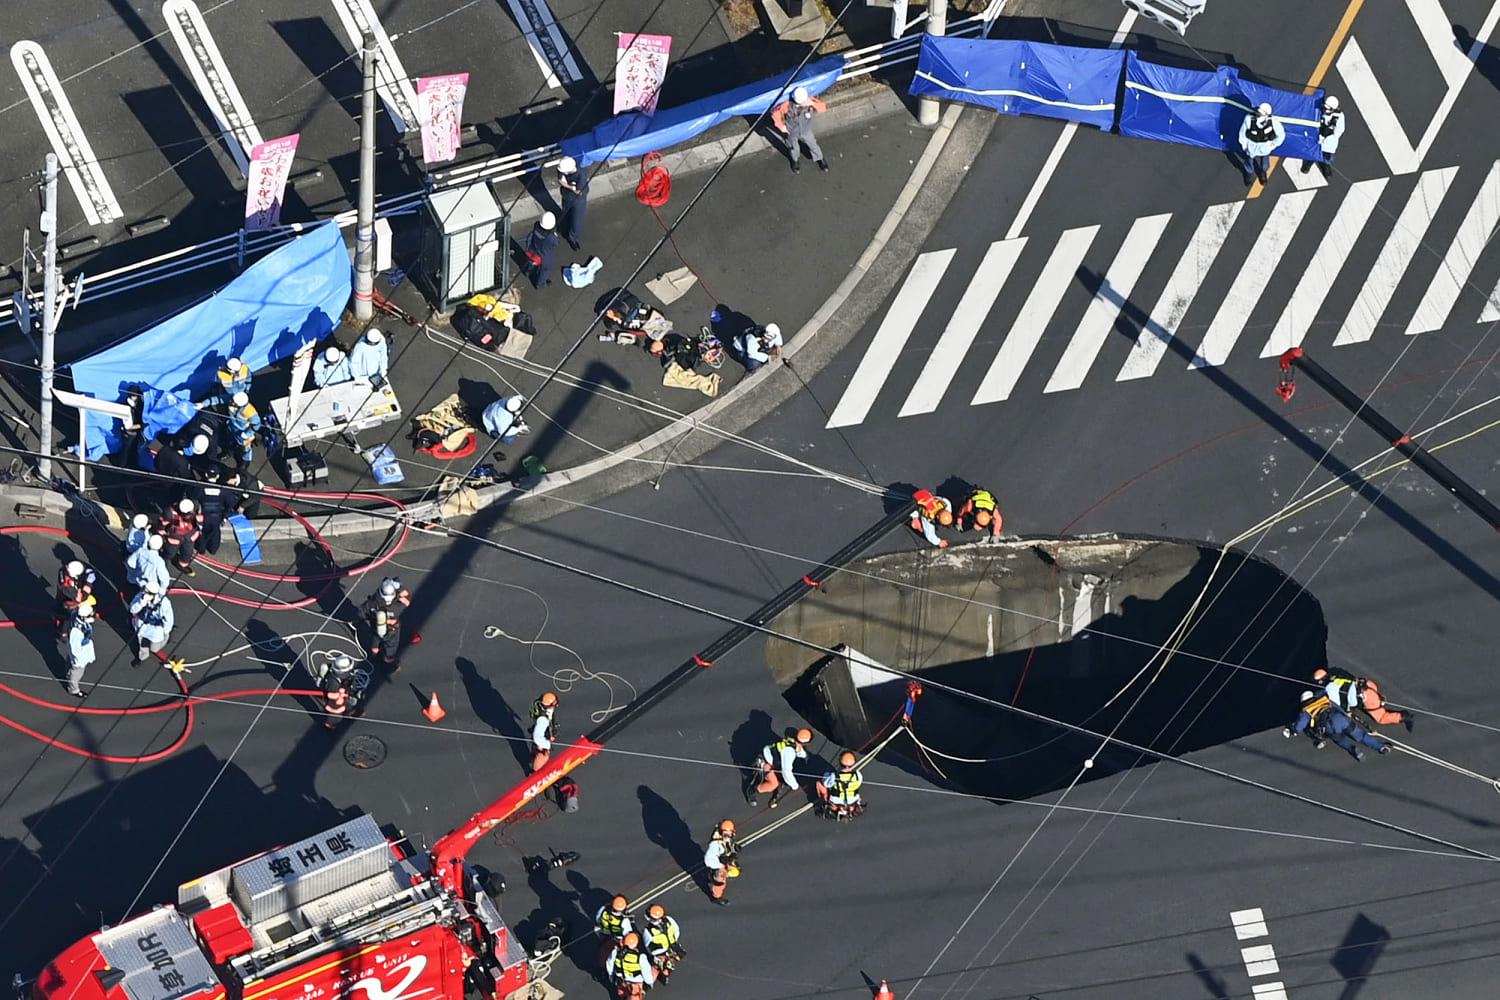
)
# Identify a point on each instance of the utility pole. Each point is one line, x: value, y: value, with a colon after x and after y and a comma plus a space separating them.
x: 364, y: 231
x: 49, y: 313
x: 937, y: 26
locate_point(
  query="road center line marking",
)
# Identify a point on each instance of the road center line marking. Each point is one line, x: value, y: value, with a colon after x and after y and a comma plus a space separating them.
x: 1346, y: 24
x: 1023, y: 215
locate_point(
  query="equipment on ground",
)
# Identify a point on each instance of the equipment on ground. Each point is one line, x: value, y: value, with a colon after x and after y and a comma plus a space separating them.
x: 1174, y: 14
x: 349, y: 912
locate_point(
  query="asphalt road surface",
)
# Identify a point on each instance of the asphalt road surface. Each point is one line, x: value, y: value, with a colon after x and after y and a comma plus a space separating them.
x: 1376, y: 884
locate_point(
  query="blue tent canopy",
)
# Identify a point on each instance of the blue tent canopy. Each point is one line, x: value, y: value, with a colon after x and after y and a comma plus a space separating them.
x: 1022, y: 78
x: 635, y: 134
x: 290, y: 298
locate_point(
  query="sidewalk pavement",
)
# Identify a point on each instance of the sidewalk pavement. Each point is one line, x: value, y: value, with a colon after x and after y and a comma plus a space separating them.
x: 764, y: 241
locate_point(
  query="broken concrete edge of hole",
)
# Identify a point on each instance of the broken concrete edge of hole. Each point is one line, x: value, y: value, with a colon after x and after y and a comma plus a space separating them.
x: 1067, y: 629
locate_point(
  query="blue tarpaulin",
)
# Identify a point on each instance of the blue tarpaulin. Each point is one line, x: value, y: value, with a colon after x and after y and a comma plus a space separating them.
x: 1022, y: 78
x: 635, y: 134
x: 1202, y: 108
x: 291, y: 298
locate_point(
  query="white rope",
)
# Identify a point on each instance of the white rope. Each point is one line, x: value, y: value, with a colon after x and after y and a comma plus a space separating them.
x: 1440, y: 762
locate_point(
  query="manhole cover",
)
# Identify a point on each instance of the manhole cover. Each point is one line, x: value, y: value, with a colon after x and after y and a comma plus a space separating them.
x: 364, y: 751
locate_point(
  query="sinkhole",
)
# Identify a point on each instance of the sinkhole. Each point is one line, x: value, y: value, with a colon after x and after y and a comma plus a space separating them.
x: 1063, y: 629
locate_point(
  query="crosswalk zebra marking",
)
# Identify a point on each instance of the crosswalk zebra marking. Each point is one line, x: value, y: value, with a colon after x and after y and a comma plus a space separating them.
x: 1060, y: 271
x: 885, y: 350
x: 1395, y: 256
x: 1108, y: 302
x: 1161, y: 327
x: 963, y: 327
x: 1302, y: 308
x: 1229, y: 322
x: 1458, y: 263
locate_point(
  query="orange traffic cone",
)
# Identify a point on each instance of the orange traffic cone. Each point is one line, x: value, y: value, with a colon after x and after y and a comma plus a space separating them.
x: 884, y: 993
x: 433, y: 711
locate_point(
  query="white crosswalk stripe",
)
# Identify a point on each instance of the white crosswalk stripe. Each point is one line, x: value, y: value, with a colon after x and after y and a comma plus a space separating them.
x: 1229, y: 321
x: 894, y: 330
x: 1114, y: 291
x: 1181, y: 289
x: 1031, y: 322
x: 978, y: 299
x: 1395, y: 256
x: 1302, y: 308
x: 1458, y: 262
x: 1303, y: 240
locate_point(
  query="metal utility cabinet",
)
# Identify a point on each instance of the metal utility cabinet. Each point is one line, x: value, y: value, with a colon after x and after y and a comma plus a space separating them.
x: 465, y: 243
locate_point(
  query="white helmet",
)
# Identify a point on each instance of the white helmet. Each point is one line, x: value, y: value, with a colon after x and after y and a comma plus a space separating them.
x: 567, y: 165
x: 186, y: 505
x: 1306, y: 696
x: 1264, y: 110
x: 74, y: 568
x: 772, y: 330
x: 141, y: 522
x: 1330, y: 103
x: 373, y: 336
x: 549, y: 221
x: 514, y: 403
x: 241, y: 398
x: 200, y: 444
x: 342, y: 664
x: 801, y: 96
x: 86, y: 610
x: 332, y: 355
x: 389, y: 586
x: 233, y: 366
x: 152, y: 587
x: 154, y: 543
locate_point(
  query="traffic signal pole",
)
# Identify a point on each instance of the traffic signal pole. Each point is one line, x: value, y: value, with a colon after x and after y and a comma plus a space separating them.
x: 1399, y: 440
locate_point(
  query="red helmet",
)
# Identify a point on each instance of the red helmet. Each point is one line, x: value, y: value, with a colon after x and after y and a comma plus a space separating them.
x: 1320, y: 674
x: 619, y: 904
x: 804, y: 736
x: 657, y: 912
x: 847, y: 760
x: 982, y: 518
x: 632, y: 940
x: 726, y: 826
x: 549, y: 700
x: 945, y: 516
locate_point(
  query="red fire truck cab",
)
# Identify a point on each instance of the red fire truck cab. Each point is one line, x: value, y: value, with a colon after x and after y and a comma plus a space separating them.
x: 343, y: 915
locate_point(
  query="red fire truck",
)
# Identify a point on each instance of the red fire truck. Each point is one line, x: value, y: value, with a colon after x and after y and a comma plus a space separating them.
x: 344, y: 915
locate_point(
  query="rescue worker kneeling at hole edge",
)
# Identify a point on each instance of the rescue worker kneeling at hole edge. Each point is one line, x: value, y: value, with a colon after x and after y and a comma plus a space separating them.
x: 662, y: 946
x: 931, y: 511
x: 629, y: 969
x: 774, y: 757
x: 382, y: 612
x: 612, y: 924
x: 979, y: 511
x: 838, y: 791
x: 1350, y: 693
x: 1322, y: 718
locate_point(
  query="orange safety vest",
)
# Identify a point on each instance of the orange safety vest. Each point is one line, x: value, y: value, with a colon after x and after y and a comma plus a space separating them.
x: 927, y: 504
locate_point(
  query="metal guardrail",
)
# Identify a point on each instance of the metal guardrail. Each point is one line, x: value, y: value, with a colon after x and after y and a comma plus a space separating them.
x: 240, y: 246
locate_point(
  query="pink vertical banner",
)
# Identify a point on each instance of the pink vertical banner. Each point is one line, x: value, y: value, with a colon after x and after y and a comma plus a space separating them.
x: 640, y: 67
x: 440, y: 105
x: 270, y: 166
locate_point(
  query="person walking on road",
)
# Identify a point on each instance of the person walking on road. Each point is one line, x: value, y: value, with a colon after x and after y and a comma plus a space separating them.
x: 794, y: 118
x: 213, y: 506
x: 1350, y: 693
x: 541, y: 250
x: 720, y: 859
x: 80, y: 646
x: 1324, y: 718
x: 573, y: 189
x: 146, y: 565
x: 543, y: 712
x: 382, y: 612
x: 151, y: 617
x: 1330, y: 130
x: 1260, y: 135
x: 773, y: 769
